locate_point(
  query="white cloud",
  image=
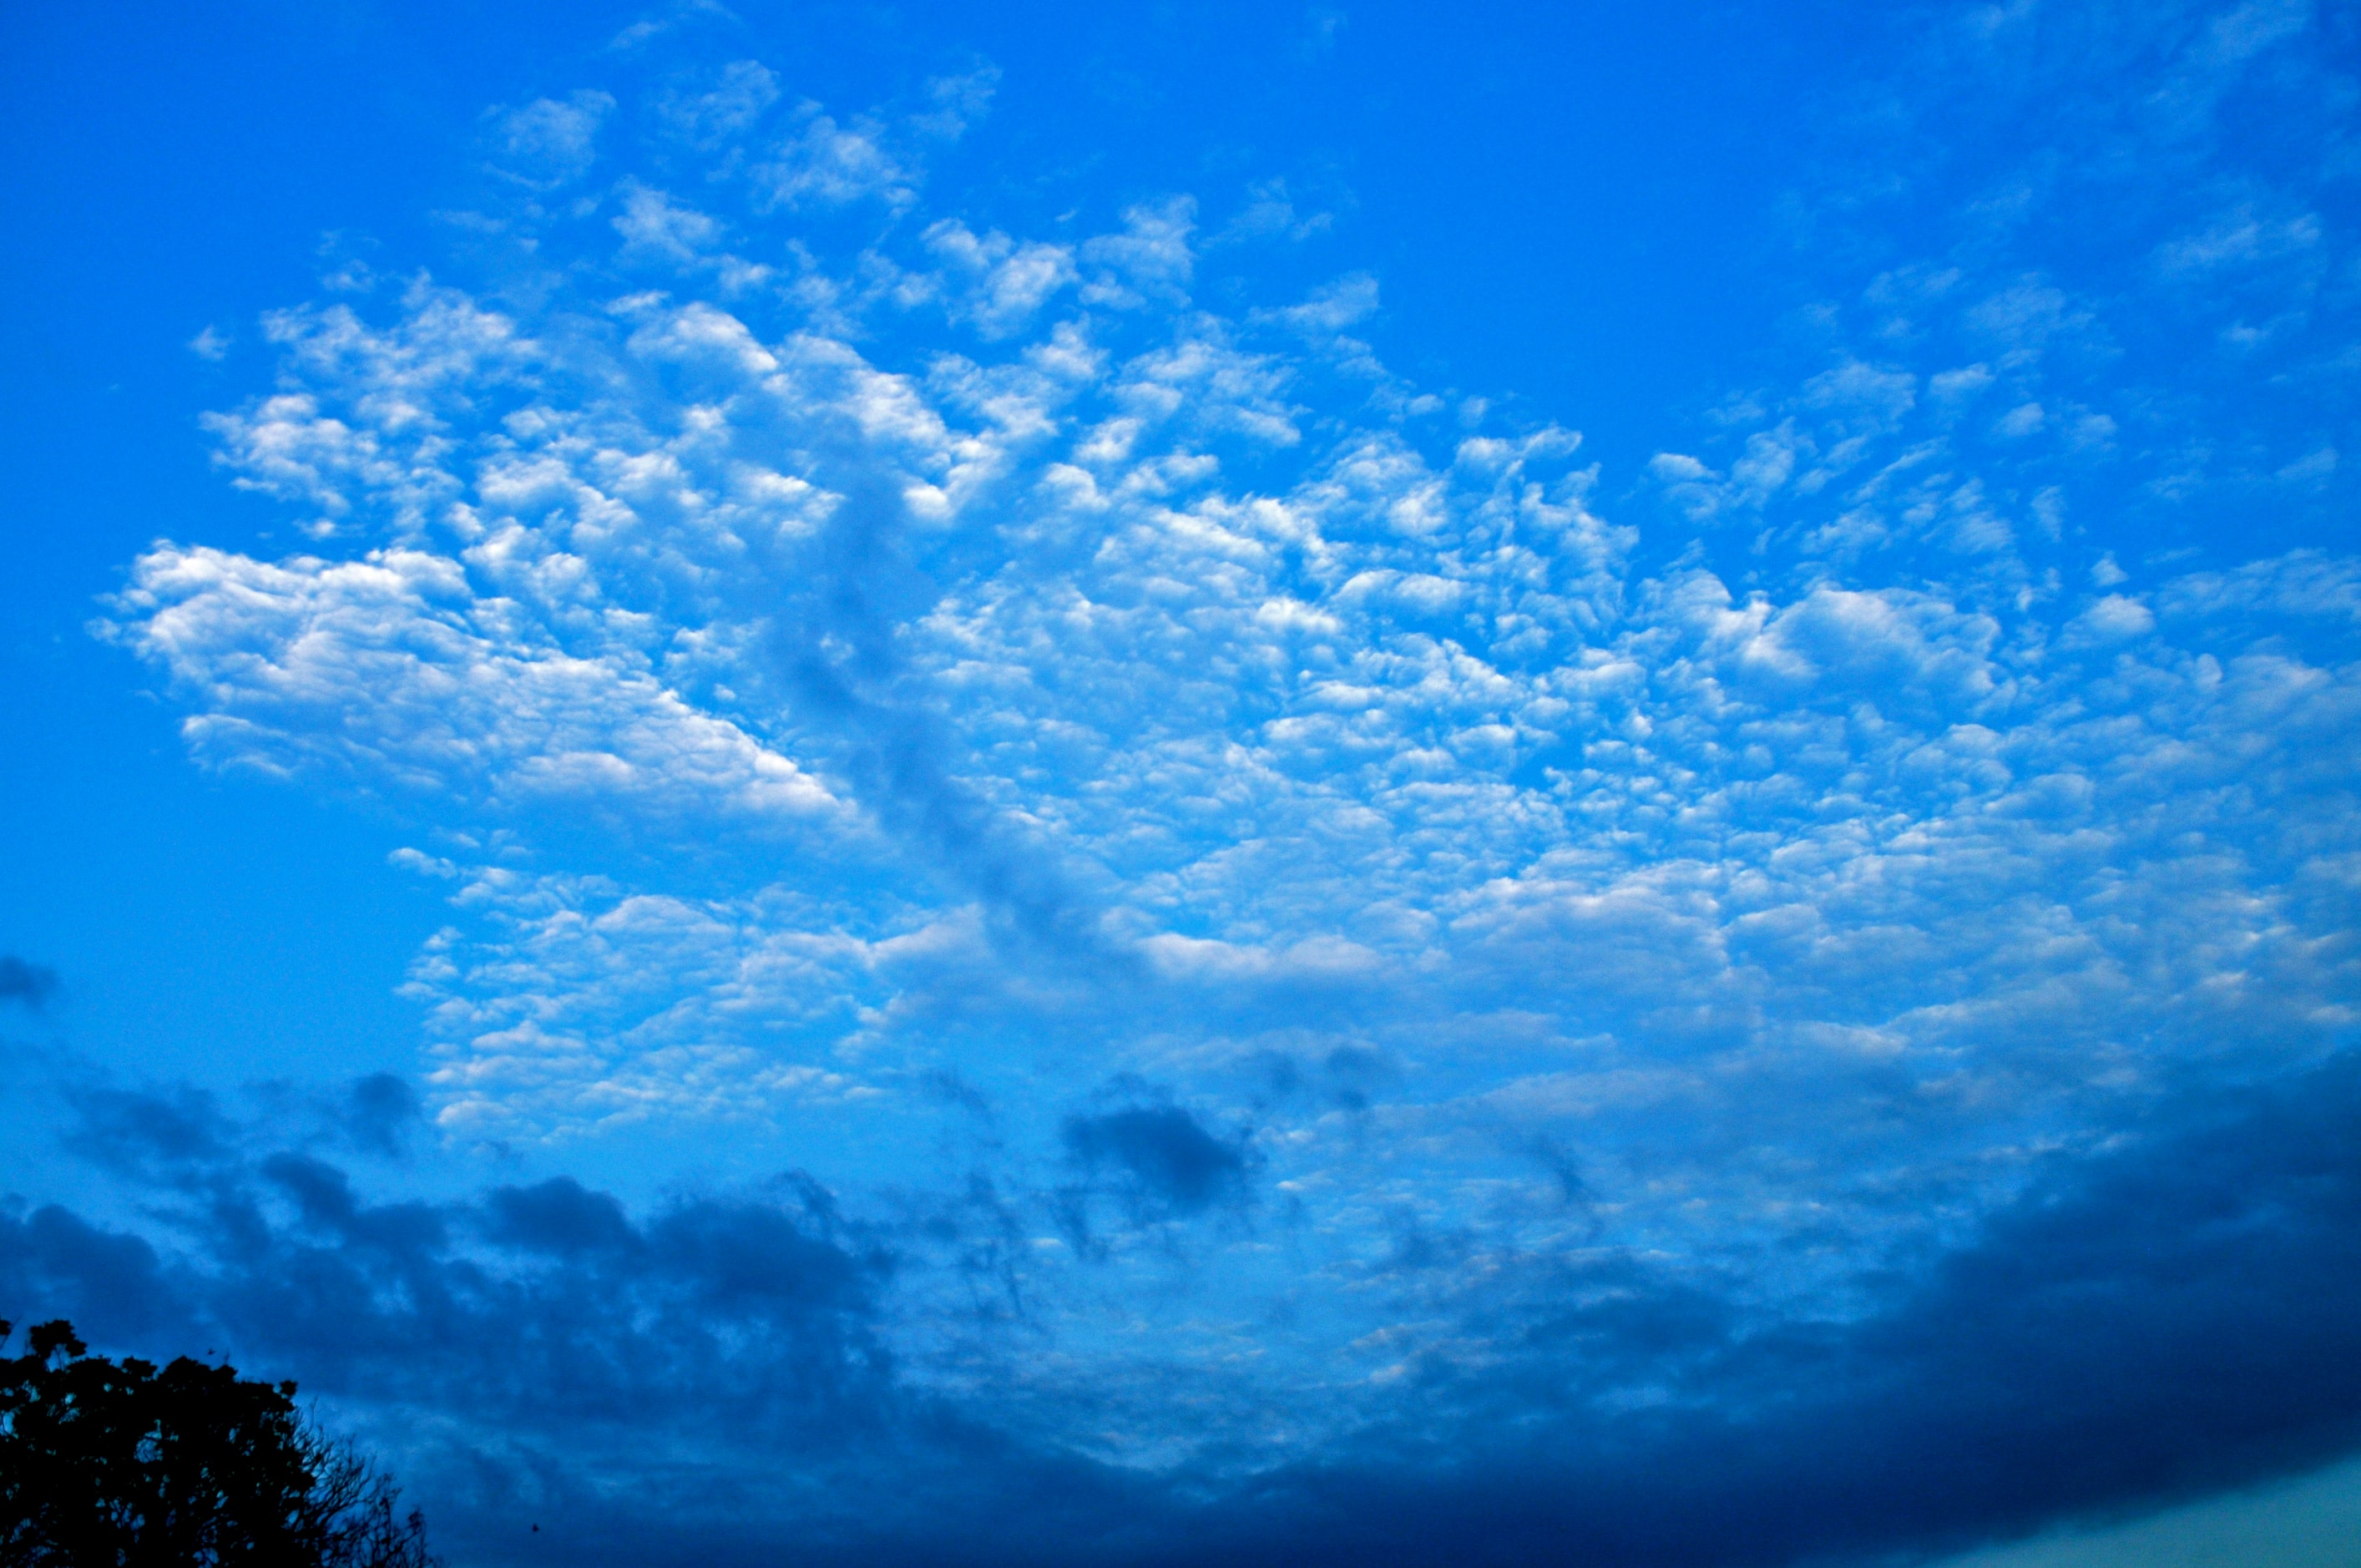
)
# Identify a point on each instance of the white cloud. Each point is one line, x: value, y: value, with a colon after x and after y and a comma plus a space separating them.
x: 1007, y: 284
x: 2311, y: 467
x: 2303, y: 583
x: 653, y: 221
x: 1271, y: 213
x: 2112, y: 619
x: 954, y: 104
x: 584, y: 1006
x: 393, y: 670
x: 1862, y: 396
x: 2238, y: 35
x: 2026, y: 419
x: 548, y: 143
x: 2239, y: 238
x: 828, y: 165
x: 736, y: 99
x: 2026, y: 317
x: 1334, y: 306
x: 1957, y: 386
x: 1150, y: 259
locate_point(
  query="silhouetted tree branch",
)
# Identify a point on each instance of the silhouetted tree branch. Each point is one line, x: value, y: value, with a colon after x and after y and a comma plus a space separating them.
x: 120, y: 1465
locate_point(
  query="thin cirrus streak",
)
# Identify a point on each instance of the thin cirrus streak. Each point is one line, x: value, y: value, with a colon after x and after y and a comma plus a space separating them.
x: 1273, y: 800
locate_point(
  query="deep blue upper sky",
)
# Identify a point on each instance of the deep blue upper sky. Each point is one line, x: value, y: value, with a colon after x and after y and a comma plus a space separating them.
x: 1197, y: 784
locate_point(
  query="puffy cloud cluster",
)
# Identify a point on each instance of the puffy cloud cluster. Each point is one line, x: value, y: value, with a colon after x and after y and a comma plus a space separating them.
x: 456, y: 705
x: 1080, y: 677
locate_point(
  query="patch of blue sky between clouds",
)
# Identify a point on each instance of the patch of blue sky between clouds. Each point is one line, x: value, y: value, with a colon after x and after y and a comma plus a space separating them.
x: 1069, y: 699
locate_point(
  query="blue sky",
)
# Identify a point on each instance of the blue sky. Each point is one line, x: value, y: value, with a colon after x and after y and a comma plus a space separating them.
x: 1168, y: 784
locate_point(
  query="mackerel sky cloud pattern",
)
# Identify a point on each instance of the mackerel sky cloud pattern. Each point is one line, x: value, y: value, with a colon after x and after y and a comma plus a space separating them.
x: 1299, y: 927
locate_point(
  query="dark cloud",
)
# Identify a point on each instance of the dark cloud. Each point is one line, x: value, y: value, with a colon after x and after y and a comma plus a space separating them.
x: 149, y: 1131
x: 379, y: 1114
x: 951, y: 1089
x: 30, y: 983
x: 179, y: 1132
x: 1344, y: 1077
x: 710, y: 1381
x: 560, y: 1217
x: 2169, y: 1319
x: 517, y: 1310
x: 760, y: 1259
x: 54, y: 1264
x: 1176, y: 1162
x: 1563, y: 1168
x: 1156, y: 1161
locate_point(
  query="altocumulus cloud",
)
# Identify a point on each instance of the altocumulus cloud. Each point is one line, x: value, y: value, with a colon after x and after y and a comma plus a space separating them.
x: 1367, y: 987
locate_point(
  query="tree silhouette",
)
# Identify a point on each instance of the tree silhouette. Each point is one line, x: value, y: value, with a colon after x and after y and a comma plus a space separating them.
x: 117, y: 1463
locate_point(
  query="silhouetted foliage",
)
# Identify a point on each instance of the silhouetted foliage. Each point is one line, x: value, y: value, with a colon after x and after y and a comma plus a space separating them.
x: 117, y: 1464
